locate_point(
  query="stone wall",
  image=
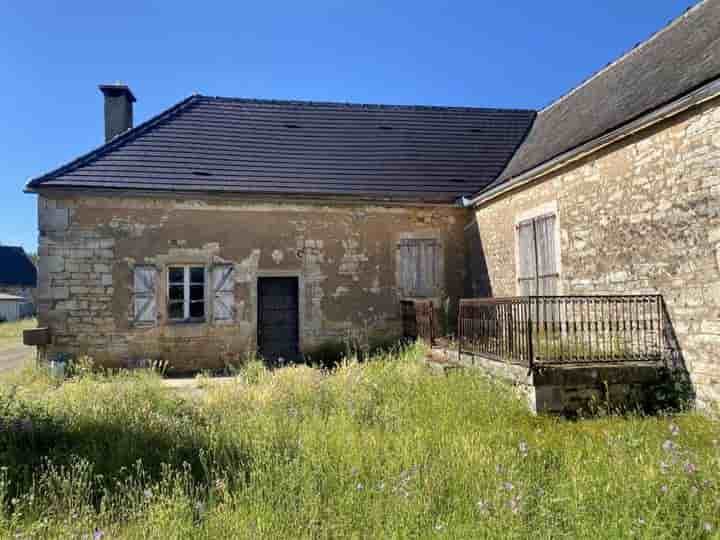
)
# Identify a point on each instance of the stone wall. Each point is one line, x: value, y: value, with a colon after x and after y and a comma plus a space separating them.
x: 343, y: 255
x: 640, y: 216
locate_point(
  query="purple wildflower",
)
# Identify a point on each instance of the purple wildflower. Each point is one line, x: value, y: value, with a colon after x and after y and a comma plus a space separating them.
x: 690, y: 468
x: 98, y: 534
x: 669, y: 446
x: 674, y: 430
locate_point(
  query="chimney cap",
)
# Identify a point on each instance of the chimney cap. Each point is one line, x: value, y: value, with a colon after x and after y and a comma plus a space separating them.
x: 116, y: 90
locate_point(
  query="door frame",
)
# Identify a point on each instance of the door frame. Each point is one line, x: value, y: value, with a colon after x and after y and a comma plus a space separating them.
x: 301, y: 302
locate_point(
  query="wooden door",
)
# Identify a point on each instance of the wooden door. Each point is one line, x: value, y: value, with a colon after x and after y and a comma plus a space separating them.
x: 278, y: 320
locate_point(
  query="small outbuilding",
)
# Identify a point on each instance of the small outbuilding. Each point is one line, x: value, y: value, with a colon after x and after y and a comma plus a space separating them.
x: 18, y: 275
x: 14, y: 307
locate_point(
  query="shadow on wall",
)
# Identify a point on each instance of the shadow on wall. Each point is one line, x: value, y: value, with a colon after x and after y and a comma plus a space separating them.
x: 680, y: 388
x: 477, y: 279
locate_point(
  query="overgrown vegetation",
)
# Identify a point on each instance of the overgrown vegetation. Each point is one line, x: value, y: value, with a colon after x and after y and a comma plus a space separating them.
x: 11, y: 332
x: 382, y: 449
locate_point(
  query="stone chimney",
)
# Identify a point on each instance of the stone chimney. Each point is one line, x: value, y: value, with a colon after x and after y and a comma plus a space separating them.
x: 118, y: 109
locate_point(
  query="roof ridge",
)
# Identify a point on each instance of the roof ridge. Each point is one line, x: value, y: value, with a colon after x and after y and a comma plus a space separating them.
x: 348, y: 104
x: 627, y: 54
x: 115, y: 142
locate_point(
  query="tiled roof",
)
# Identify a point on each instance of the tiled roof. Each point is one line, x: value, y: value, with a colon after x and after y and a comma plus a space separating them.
x: 678, y: 59
x: 16, y: 268
x: 380, y: 152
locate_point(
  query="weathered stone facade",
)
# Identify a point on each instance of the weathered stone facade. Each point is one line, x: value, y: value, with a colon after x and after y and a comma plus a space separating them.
x: 344, y: 256
x: 640, y: 216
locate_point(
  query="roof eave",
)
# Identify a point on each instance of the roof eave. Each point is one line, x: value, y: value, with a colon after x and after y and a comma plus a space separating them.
x: 696, y: 97
x: 34, y: 183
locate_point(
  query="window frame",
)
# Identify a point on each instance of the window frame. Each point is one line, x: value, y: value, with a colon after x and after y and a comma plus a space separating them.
x: 545, y: 211
x: 187, y: 300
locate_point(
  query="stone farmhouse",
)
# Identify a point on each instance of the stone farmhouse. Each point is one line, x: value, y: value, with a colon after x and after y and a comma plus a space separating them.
x: 223, y: 226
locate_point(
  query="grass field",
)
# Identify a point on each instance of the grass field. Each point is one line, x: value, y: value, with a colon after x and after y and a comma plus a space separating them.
x: 11, y: 332
x: 383, y: 449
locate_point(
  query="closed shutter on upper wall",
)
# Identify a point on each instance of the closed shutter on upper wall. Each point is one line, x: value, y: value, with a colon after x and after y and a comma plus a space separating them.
x: 420, y: 266
x: 223, y: 284
x: 144, y: 294
x: 538, y: 272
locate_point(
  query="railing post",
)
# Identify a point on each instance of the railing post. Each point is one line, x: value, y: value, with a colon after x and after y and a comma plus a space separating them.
x: 530, y: 352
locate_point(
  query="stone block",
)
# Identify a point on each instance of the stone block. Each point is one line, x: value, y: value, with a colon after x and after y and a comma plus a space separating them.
x: 53, y: 219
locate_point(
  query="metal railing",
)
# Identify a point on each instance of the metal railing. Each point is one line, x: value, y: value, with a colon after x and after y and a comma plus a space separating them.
x: 536, y: 330
x: 418, y: 320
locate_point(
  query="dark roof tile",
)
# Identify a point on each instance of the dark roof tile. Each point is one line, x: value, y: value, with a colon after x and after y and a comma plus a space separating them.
x: 16, y: 268
x: 676, y: 60
x: 384, y: 152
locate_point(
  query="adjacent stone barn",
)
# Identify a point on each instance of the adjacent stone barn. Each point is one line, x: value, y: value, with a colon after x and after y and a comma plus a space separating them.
x: 224, y: 227
x: 617, y: 191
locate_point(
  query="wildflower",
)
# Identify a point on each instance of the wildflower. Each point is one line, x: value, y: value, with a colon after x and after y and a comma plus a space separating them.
x: 674, y: 430
x: 669, y: 446
x: 523, y: 447
x: 98, y: 534
x: 148, y: 493
x: 482, y: 505
x: 439, y: 527
x: 690, y: 468
x: 664, y: 489
x: 359, y: 486
x: 508, y: 486
x: 641, y: 521
x: 354, y: 471
x: 707, y: 527
x: 514, y: 504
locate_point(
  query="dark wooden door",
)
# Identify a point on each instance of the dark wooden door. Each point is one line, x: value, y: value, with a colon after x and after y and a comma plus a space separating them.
x: 278, y: 320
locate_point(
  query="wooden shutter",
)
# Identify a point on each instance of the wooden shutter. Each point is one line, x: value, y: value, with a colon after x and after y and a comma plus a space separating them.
x: 547, y: 270
x: 527, y: 273
x: 144, y: 294
x: 419, y: 266
x: 223, y: 286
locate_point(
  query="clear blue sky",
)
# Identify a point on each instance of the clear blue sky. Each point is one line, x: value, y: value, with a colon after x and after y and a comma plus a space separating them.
x: 520, y: 54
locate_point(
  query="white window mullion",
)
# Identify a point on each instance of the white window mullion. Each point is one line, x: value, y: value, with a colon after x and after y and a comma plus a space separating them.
x: 186, y: 295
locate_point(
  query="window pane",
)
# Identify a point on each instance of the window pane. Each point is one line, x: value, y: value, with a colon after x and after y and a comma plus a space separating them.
x: 197, y: 292
x: 197, y: 309
x: 177, y: 292
x: 175, y: 310
x: 176, y: 275
x: 197, y: 275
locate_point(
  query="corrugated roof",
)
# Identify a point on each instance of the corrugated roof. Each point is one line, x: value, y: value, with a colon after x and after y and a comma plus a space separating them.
x: 16, y: 268
x: 680, y: 58
x: 384, y: 152
x: 11, y: 297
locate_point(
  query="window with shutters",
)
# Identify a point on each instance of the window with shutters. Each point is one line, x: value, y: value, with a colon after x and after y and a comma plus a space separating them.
x: 144, y: 295
x: 186, y: 293
x: 223, y: 285
x: 420, y: 266
x: 538, y: 272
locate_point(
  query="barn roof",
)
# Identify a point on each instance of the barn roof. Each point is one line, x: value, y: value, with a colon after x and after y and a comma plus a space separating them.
x: 383, y: 152
x: 675, y: 61
x: 16, y: 268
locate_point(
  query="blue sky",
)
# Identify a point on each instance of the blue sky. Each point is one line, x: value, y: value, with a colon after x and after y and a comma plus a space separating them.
x: 520, y: 54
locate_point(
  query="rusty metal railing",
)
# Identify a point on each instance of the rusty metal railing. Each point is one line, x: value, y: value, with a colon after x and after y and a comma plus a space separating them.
x: 418, y: 320
x: 536, y: 330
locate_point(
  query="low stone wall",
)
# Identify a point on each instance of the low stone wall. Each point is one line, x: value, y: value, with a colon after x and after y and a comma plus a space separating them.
x: 574, y: 389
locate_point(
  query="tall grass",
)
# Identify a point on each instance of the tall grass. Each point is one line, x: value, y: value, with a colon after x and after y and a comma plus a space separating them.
x: 382, y: 449
x: 11, y: 332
